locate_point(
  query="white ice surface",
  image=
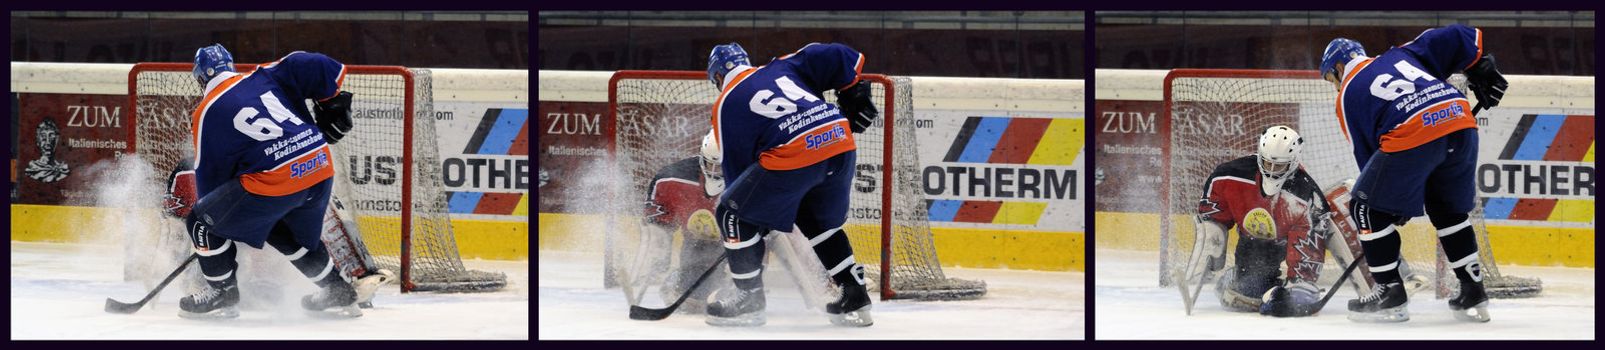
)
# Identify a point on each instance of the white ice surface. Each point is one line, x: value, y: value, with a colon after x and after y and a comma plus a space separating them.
x: 58, y: 291
x: 1018, y: 305
x: 1131, y: 305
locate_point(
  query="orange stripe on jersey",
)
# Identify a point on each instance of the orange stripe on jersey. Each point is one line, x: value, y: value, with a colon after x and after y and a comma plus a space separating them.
x: 717, y: 137
x: 1430, y: 124
x: 292, y: 176
x: 1343, y: 124
x: 206, y: 103
x: 858, y: 71
x: 338, y: 82
x: 1478, y: 57
x: 810, y: 147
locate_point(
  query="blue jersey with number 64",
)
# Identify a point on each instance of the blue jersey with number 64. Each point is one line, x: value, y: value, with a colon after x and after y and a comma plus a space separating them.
x: 256, y: 127
x: 776, y: 115
x: 1401, y: 99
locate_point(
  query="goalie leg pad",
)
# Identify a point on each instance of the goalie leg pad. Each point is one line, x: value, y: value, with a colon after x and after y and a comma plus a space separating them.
x: 1230, y: 297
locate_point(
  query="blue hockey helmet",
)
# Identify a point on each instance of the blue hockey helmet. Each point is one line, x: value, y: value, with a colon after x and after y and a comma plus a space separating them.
x: 211, y: 61
x: 723, y: 59
x: 1338, y: 52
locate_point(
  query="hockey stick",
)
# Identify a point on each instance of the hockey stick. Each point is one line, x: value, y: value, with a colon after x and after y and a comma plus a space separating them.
x: 1188, y: 299
x: 118, y: 307
x: 1342, y: 278
x: 647, y: 314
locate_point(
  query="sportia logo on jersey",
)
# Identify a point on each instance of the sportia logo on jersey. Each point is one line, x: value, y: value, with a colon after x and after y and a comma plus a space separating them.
x: 830, y: 136
x: 1446, y: 113
x: 299, y: 169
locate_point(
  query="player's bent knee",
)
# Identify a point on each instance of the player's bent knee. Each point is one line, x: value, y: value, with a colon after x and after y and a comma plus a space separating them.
x: 1373, y: 223
x: 1444, y: 219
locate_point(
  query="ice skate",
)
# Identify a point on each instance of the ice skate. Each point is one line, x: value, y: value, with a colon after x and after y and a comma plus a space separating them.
x: 1471, y: 304
x: 211, y: 303
x: 852, y: 309
x: 1386, y: 303
x: 737, y: 308
x: 338, y: 295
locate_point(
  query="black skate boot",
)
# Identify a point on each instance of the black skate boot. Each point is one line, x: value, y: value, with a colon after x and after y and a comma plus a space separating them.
x: 1386, y: 303
x: 1471, y: 305
x: 211, y: 302
x: 339, y: 295
x: 852, y: 309
x: 737, y: 307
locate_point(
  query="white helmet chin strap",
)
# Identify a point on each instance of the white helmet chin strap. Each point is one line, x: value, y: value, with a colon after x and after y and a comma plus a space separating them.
x: 1270, y: 186
x: 713, y: 186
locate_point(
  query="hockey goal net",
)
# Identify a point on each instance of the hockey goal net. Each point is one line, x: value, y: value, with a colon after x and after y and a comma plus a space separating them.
x: 387, y: 175
x: 661, y: 116
x: 1217, y: 114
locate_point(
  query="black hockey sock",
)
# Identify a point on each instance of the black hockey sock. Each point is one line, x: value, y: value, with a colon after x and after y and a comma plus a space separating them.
x: 313, y: 262
x: 216, y: 254
x: 744, y: 241
x: 1384, y: 266
x: 1459, y: 245
x: 836, y: 253
x: 1379, y: 236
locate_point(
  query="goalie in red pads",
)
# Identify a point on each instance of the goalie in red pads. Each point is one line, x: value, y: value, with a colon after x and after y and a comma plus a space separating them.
x: 1284, y: 222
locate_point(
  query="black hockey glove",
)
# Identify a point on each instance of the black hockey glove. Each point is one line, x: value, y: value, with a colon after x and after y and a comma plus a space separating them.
x: 334, y: 117
x: 1485, y: 81
x: 856, y: 104
x: 1294, y: 300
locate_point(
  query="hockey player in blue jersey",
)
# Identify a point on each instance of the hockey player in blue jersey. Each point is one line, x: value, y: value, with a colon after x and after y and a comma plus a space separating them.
x: 263, y: 173
x: 789, y: 160
x: 1415, y: 139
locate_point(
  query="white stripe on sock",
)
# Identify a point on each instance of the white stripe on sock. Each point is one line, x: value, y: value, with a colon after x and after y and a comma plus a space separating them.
x: 326, y: 268
x: 1379, y: 234
x: 821, y: 237
x: 1456, y: 228
x: 298, y: 254
x: 742, y: 244
x: 226, y: 245
x: 841, y: 266
x: 219, y: 278
x: 749, y: 275
x: 1465, y: 261
x: 1384, y: 268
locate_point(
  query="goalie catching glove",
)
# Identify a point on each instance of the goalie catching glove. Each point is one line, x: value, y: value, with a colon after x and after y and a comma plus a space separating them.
x: 334, y: 116
x: 856, y: 104
x: 1486, y: 82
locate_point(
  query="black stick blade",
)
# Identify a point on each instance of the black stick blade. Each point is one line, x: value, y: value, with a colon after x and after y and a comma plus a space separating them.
x: 118, y: 307
x: 645, y: 314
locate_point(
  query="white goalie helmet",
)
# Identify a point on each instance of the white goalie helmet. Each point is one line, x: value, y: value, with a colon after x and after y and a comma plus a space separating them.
x: 712, y: 163
x: 1278, y: 154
